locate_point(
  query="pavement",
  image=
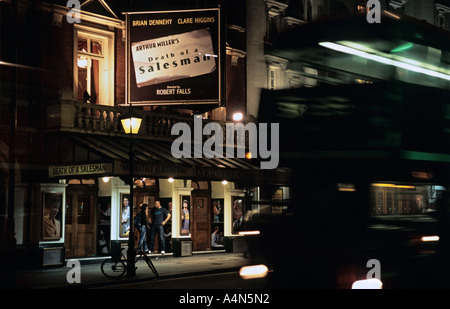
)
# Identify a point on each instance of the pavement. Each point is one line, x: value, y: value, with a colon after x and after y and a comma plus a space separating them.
x: 167, y: 266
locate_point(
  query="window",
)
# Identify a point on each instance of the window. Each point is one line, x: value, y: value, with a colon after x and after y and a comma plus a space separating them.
x: 391, y: 199
x: 276, y: 72
x: 271, y: 80
x: 405, y: 211
x: 200, y: 185
x: 94, y: 66
x: 442, y: 14
x: 440, y: 20
x: 145, y: 183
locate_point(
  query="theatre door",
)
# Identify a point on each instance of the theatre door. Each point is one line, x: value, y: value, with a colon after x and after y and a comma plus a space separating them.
x: 81, y: 218
x: 201, y: 229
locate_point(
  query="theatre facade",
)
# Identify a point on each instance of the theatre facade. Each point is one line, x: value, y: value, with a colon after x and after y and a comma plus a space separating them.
x: 211, y: 201
x: 65, y: 195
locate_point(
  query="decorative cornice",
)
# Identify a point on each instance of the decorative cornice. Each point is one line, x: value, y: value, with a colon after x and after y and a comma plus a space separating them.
x: 292, y: 21
x: 237, y: 28
x: 105, y: 6
x: 85, y: 16
x: 235, y: 54
x: 441, y: 7
x: 274, y: 7
x: 276, y: 62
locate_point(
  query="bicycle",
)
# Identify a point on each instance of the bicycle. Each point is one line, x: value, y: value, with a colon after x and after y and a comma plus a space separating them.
x: 116, y: 267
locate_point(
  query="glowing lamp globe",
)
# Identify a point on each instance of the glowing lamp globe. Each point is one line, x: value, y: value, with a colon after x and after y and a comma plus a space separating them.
x: 131, y: 123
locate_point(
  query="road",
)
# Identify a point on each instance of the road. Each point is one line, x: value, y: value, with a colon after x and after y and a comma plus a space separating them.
x: 228, y: 280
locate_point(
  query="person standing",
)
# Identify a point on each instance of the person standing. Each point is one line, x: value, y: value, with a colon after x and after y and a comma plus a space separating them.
x: 141, y: 223
x: 159, y: 217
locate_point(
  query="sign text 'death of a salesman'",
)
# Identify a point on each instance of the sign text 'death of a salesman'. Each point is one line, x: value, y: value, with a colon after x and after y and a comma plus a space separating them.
x: 174, y: 57
x: 79, y: 169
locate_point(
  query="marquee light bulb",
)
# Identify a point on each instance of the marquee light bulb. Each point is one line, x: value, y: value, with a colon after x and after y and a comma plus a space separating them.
x: 238, y: 116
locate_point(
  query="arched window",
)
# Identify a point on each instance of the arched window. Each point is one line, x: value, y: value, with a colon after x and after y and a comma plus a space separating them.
x: 200, y: 184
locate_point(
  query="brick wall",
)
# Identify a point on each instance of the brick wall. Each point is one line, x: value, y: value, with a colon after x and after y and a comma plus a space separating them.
x: 55, y: 48
x: 120, y: 63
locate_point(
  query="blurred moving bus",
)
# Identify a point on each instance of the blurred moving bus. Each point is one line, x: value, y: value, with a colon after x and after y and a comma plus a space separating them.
x: 369, y: 146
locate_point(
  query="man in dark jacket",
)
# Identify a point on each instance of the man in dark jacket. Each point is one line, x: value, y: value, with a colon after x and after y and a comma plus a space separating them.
x: 159, y: 217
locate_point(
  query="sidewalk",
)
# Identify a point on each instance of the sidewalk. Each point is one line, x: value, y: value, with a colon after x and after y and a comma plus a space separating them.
x: 167, y: 266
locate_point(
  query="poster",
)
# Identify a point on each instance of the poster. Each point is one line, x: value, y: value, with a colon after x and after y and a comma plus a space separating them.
x: 217, y: 210
x: 51, y: 216
x: 217, y: 240
x: 174, y: 57
x: 124, y: 216
x: 238, y: 215
x: 185, y: 214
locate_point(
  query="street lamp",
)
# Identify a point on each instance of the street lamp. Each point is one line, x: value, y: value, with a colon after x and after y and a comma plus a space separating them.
x: 131, y: 122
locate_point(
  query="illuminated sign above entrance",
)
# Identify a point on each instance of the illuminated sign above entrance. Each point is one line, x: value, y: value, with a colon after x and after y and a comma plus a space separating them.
x: 79, y: 169
x: 144, y: 169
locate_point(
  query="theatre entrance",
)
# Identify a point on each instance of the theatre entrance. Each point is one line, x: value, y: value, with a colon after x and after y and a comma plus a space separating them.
x: 146, y: 192
x: 81, y: 218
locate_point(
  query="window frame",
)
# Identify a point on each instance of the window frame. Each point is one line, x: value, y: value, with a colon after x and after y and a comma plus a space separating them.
x: 440, y: 19
x: 441, y: 15
x: 106, y: 69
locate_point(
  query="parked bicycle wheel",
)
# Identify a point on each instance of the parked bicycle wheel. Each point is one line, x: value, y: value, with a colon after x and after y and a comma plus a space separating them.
x: 113, y: 269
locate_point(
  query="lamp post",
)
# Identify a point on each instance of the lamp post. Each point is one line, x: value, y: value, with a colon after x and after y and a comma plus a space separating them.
x: 131, y: 123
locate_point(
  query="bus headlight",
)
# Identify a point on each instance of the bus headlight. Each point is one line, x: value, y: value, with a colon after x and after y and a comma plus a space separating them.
x: 367, y: 284
x: 253, y: 272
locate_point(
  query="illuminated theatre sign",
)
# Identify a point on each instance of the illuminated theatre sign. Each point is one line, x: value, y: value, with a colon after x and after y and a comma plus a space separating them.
x: 173, y: 57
